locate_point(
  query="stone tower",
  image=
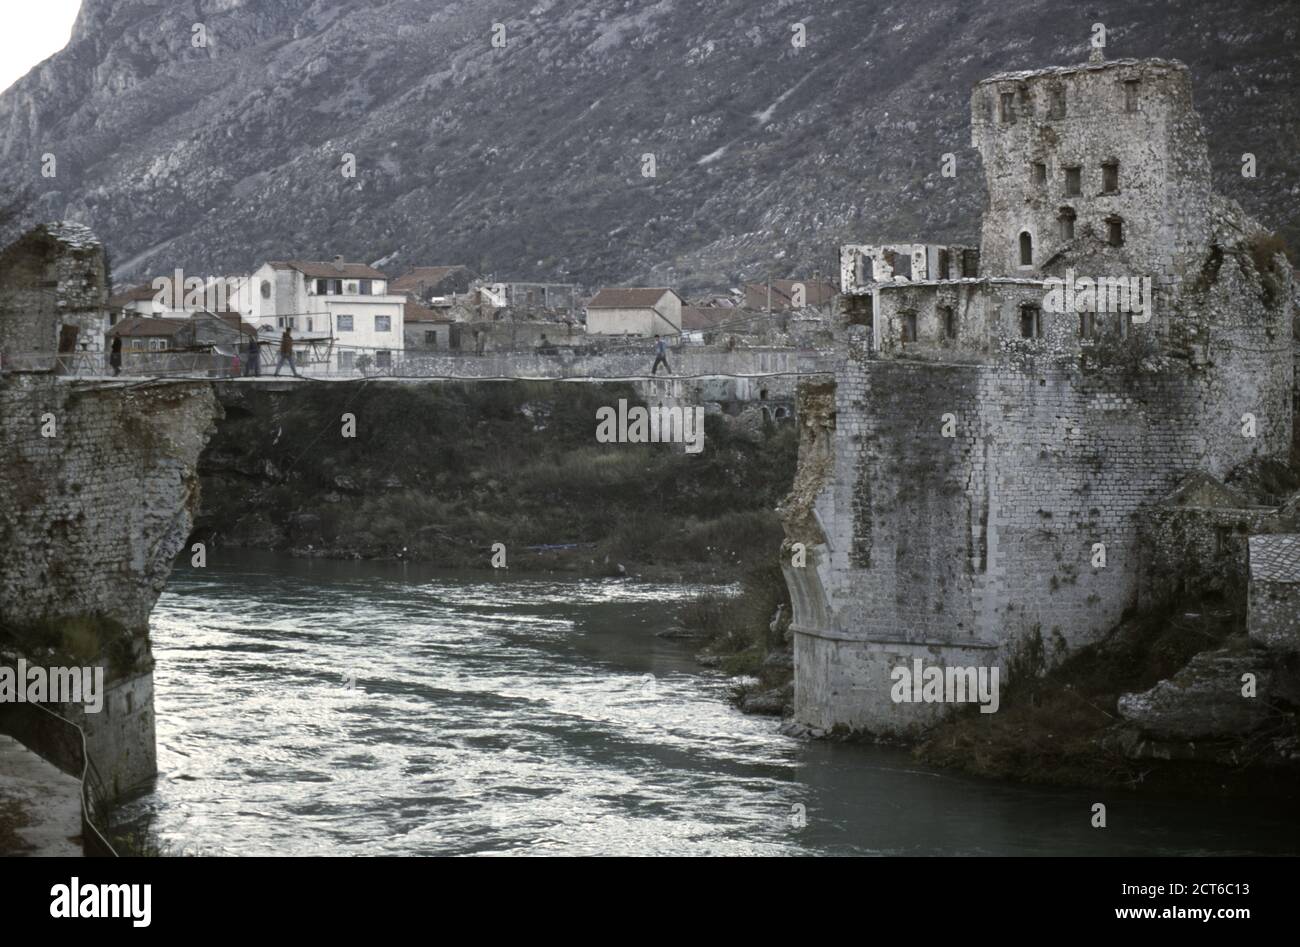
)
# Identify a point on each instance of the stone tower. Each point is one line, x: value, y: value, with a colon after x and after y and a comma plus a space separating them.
x: 1099, y: 167
x: 969, y: 487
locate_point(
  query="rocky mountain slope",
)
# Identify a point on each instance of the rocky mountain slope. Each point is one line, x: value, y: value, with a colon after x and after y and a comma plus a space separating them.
x: 526, y: 161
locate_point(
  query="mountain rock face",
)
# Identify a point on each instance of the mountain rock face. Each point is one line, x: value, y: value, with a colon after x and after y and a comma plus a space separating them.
x: 528, y: 160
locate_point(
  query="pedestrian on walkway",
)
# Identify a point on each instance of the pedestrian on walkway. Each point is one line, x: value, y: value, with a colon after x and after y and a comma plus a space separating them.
x: 286, y: 353
x: 661, y: 357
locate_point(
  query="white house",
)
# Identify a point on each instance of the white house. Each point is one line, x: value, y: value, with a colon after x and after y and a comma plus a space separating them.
x: 634, y: 311
x: 348, y: 304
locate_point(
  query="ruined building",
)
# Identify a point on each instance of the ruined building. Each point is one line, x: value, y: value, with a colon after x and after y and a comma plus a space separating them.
x: 98, y: 490
x: 968, y: 486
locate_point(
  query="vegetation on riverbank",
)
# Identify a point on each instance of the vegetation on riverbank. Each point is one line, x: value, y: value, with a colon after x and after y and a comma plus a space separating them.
x: 746, y: 635
x: 441, y: 472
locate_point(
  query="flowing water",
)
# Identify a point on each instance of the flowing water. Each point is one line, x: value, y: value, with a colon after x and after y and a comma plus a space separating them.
x: 376, y: 708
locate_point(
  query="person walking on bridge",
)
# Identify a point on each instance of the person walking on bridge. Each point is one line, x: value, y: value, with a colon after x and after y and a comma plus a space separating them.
x: 253, y: 361
x: 661, y: 357
x: 286, y: 353
x: 115, y: 355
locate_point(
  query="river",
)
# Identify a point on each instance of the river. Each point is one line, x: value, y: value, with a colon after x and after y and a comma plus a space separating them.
x: 314, y: 707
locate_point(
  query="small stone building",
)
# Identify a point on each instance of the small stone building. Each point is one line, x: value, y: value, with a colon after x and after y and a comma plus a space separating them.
x: 635, y: 311
x: 1273, y: 605
x: 52, y: 296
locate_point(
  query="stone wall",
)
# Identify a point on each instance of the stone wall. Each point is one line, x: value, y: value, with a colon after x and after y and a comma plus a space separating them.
x: 91, y: 518
x: 974, y: 547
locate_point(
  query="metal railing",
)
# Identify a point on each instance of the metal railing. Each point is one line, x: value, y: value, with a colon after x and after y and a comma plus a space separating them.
x: 554, y: 361
x: 62, y: 744
x: 160, y: 364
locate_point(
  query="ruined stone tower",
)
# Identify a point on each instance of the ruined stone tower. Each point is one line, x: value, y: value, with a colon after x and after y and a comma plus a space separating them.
x: 979, y: 445
x: 1101, y: 166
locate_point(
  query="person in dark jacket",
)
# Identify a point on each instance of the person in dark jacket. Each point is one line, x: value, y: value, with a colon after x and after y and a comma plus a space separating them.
x: 286, y: 353
x: 253, y: 359
x: 661, y: 357
x: 115, y: 355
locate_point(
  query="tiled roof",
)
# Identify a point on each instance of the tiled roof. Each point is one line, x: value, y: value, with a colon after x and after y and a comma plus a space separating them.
x: 1275, y: 558
x: 145, y: 327
x: 415, y: 312
x: 816, y: 293
x: 705, y: 317
x: 235, y: 321
x: 134, y: 294
x: 631, y: 297
x: 428, y: 275
x: 316, y: 269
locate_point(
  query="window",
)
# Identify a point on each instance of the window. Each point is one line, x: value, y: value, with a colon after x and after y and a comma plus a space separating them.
x: 1087, y: 325
x: 365, y: 287
x: 943, y: 265
x: 909, y: 326
x: 431, y: 338
x: 948, y: 319
x: 347, y: 361
x: 1073, y: 181
x: 1056, y: 104
x: 1115, y: 231
x: 309, y: 323
x: 1026, y: 249
x: 1130, y: 95
x: 1031, y: 322
x: 266, y: 289
x: 1110, y: 177
x: 329, y: 287
x: 1065, y: 220
x: 383, y: 357
x: 900, y: 264
x: 970, y: 263
x: 345, y: 323
x: 1038, y: 173
x: 383, y: 323
x: 1007, y: 108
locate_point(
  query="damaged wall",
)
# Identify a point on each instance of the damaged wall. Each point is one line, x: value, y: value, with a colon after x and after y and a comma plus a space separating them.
x: 91, y: 518
x: 972, y: 477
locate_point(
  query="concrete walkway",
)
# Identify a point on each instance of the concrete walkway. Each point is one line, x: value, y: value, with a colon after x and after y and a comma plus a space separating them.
x: 41, y: 804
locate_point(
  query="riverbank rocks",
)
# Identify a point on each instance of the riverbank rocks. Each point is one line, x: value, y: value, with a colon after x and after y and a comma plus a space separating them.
x: 1212, y: 696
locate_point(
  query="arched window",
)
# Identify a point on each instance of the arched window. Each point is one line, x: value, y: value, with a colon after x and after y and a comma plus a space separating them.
x: 1065, y: 218
x: 1026, y: 249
